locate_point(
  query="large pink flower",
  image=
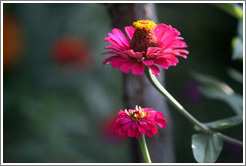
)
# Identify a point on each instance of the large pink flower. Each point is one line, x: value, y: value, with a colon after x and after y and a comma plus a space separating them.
x: 148, y: 45
x: 139, y: 121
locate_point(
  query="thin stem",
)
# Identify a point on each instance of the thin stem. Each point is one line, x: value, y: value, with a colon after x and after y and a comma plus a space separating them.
x: 181, y: 109
x: 144, y: 149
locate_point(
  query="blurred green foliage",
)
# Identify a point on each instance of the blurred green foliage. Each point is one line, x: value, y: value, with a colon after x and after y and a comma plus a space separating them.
x: 57, y: 113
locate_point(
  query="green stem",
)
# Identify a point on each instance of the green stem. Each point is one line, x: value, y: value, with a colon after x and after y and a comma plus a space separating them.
x: 144, y: 149
x: 181, y: 109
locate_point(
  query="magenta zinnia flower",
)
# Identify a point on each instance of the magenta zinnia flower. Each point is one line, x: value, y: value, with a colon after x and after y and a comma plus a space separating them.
x: 139, y: 121
x: 148, y: 45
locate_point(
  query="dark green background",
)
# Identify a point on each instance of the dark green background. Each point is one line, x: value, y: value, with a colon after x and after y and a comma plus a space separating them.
x: 54, y: 114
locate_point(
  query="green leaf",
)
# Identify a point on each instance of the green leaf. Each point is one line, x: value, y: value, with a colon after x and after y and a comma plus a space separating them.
x: 237, y: 45
x: 231, y: 8
x: 206, y: 148
x: 215, y: 89
x: 235, y: 75
x: 224, y: 123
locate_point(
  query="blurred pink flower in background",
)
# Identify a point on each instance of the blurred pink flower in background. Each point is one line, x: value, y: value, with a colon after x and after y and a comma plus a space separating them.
x: 107, y: 132
x: 139, y: 121
x: 148, y: 45
x: 72, y: 51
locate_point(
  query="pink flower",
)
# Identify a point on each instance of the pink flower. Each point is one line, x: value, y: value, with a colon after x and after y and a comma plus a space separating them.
x: 148, y: 45
x: 139, y: 121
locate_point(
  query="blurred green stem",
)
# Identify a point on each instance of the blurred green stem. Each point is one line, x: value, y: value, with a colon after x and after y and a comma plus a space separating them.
x: 233, y: 9
x: 181, y: 109
x: 144, y: 149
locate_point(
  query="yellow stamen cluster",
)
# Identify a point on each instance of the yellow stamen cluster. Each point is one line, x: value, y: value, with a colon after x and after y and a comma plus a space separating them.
x: 144, y: 24
x: 136, y: 114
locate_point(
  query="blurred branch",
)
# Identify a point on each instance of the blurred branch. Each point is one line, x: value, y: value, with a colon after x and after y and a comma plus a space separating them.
x: 138, y: 90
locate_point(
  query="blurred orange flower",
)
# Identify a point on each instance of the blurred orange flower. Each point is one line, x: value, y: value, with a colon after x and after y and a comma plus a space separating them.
x: 12, y: 41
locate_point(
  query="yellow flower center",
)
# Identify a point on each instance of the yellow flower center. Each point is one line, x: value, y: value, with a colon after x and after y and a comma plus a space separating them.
x: 137, y: 114
x: 143, y: 36
x: 144, y: 24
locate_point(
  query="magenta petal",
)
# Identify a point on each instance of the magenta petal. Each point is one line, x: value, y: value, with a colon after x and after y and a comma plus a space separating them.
x: 162, y: 62
x: 150, y: 133
x: 121, y: 36
x: 161, y: 122
x: 126, y: 126
x: 138, y: 69
x: 148, y: 62
x: 159, y: 31
x: 138, y: 135
x: 123, y: 121
x: 129, y: 31
x: 127, y: 67
x: 155, y: 70
x: 134, y: 125
x: 122, y: 133
x: 152, y: 49
x: 117, y: 40
x: 118, y: 61
x: 135, y: 55
x: 155, y: 130
x: 106, y: 61
x: 131, y: 132
x: 113, y: 47
x: 141, y: 130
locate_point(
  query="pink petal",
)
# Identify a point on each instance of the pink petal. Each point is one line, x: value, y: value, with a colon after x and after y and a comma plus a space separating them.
x: 159, y: 31
x: 135, y: 55
x: 155, y: 130
x: 141, y: 129
x: 172, y: 59
x: 150, y: 133
x: 155, y: 70
x: 182, y: 55
x: 106, y: 61
x: 115, y: 43
x: 134, y: 126
x: 113, y: 47
x: 148, y: 62
x: 127, y: 67
x: 162, y: 62
x: 117, y: 40
x: 118, y: 62
x: 182, y: 51
x: 138, y: 135
x: 122, y: 133
x: 123, y: 121
x: 129, y: 31
x: 121, y: 36
x: 161, y: 122
x: 138, y: 69
x: 126, y: 126
x: 131, y: 132
x: 152, y: 49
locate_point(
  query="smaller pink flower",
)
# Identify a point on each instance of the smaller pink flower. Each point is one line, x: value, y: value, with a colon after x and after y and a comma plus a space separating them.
x: 139, y: 121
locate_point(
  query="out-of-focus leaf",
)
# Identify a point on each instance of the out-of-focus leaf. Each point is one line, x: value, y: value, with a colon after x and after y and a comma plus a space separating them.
x: 206, y: 148
x: 215, y: 89
x: 237, y: 76
x: 231, y: 8
x: 237, y: 45
x: 224, y: 123
x: 240, y: 29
